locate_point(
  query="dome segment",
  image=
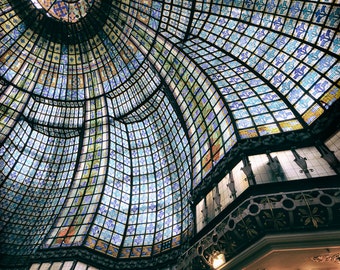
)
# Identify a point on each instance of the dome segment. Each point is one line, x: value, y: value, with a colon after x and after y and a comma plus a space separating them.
x: 281, y: 86
x: 118, y: 186
x: 101, y: 100
x: 67, y: 60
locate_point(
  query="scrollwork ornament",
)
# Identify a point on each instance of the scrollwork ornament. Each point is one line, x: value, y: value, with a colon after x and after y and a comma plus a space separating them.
x: 332, y: 257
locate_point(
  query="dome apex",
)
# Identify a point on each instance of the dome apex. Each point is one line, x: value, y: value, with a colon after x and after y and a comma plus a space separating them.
x: 65, y: 10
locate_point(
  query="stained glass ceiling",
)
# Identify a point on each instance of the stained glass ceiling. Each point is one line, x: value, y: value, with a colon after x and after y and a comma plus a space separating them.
x: 67, y: 10
x: 113, y: 111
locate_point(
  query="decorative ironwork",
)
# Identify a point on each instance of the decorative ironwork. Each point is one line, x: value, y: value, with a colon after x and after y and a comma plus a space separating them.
x: 275, y: 166
x: 312, y: 209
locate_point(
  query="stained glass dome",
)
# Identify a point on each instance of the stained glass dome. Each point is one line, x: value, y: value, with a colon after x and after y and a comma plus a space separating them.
x: 65, y: 10
x: 113, y: 112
